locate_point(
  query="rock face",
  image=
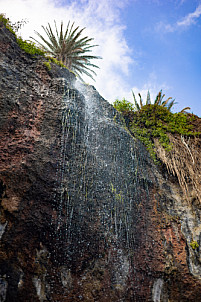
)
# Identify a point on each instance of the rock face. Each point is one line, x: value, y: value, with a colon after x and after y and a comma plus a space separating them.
x: 85, y: 215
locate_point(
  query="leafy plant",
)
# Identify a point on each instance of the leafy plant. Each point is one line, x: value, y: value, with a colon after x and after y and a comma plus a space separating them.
x: 69, y: 47
x: 3, y: 19
x: 18, y: 25
x: 13, y: 27
x: 29, y: 47
x: 151, y: 121
x: 159, y: 100
x: 47, y: 65
x: 55, y: 61
x: 6, y: 23
x: 156, y: 121
x: 123, y: 105
x: 126, y: 108
x: 194, y: 245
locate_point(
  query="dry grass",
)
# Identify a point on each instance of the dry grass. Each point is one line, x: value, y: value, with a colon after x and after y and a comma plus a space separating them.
x: 184, y: 161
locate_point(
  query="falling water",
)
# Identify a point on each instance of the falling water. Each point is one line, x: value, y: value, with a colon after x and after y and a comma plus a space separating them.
x: 2, y: 228
x: 69, y: 127
x: 3, y: 288
x: 157, y: 289
x: 100, y: 185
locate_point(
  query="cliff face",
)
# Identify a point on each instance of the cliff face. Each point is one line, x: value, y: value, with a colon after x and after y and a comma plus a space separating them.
x: 85, y: 215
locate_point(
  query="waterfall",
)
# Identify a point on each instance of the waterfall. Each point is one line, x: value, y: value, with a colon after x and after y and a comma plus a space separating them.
x: 3, y: 289
x: 101, y: 182
x: 2, y: 228
x: 157, y: 289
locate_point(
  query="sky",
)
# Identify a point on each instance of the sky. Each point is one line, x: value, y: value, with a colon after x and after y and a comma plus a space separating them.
x: 144, y: 44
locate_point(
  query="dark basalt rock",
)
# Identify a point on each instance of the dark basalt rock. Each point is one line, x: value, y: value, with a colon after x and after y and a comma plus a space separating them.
x: 85, y: 215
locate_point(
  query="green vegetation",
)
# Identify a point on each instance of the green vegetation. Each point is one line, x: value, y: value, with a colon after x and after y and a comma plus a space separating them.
x: 155, y: 121
x: 150, y: 121
x: 6, y: 23
x: 123, y: 106
x: 194, y: 245
x: 55, y: 61
x: 29, y: 47
x: 32, y: 49
x: 47, y: 65
x: 69, y: 48
x: 158, y: 101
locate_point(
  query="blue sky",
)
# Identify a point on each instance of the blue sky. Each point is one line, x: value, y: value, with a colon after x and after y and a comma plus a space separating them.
x: 145, y: 44
x: 166, y: 40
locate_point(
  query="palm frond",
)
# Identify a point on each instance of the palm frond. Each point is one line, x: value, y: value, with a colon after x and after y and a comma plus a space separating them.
x: 148, y: 101
x: 66, y: 32
x: 158, y: 101
x: 50, y: 46
x: 80, y: 71
x: 136, y: 103
x: 158, y: 98
x: 141, y: 104
x: 162, y: 96
x: 184, y: 109
x: 170, y: 105
x: 165, y: 102
x: 69, y: 47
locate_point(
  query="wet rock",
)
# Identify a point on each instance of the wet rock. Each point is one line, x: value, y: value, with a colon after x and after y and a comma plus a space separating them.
x: 85, y: 214
x: 3, y: 288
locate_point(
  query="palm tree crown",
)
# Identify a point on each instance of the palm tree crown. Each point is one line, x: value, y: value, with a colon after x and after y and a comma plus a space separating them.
x: 158, y: 101
x: 69, y: 48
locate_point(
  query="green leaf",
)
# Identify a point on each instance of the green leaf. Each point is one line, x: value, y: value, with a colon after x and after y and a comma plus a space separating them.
x: 69, y: 48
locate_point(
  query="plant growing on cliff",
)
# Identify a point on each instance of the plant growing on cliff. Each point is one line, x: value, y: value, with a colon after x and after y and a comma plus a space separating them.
x: 159, y: 100
x: 13, y: 27
x: 27, y: 46
x: 6, y: 22
x: 172, y: 138
x: 70, y: 48
x: 194, y: 245
x: 150, y: 121
x: 123, y: 105
x: 47, y: 65
x: 155, y: 121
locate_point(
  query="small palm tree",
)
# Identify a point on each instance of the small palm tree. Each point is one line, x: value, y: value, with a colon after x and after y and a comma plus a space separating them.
x: 69, y: 48
x: 158, y: 101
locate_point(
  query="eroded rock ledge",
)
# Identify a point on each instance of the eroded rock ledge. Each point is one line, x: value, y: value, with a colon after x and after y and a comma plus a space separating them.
x: 85, y: 215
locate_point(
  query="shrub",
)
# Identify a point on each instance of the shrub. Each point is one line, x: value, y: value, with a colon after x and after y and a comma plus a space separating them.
x: 151, y: 121
x: 29, y: 47
x: 47, y: 65
x: 6, y: 23
x: 194, y: 245
x: 123, y: 105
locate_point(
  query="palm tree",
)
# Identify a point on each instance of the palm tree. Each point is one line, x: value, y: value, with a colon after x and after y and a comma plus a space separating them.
x: 158, y: 101
x: 69, y: 48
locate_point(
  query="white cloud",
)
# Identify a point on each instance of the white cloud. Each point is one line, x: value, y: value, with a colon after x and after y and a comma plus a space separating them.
x: 153, y: 85
x: 190, y: 18
x: 185, y: 22
x: 162, y: 27
x: 102, y: 22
